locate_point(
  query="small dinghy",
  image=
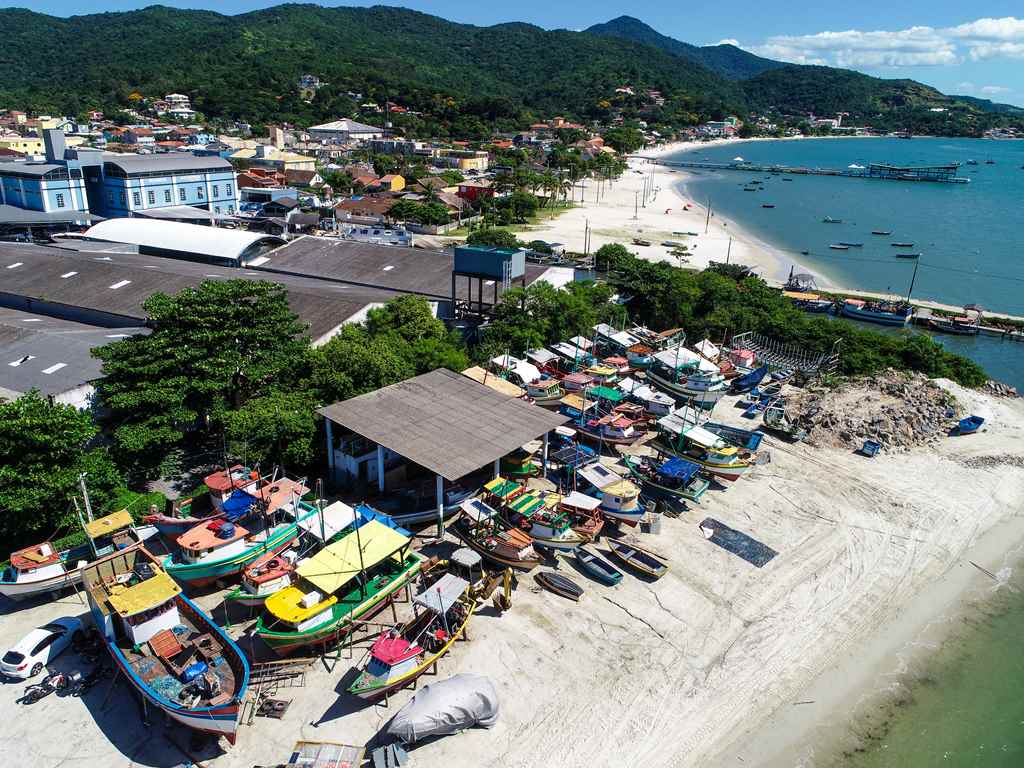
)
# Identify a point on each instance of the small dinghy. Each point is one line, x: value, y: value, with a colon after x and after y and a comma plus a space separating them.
x: 969, y: 425
x: 562, y: 586
x: 640, y: 560
x: 598, y: 567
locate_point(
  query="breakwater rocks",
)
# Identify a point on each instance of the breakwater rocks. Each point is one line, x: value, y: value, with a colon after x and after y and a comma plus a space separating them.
x: 898, y: 410
x: 999, y: 389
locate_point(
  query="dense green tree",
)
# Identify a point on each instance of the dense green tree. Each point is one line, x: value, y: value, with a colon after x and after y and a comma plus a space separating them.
x: 608, y: 256
x: 43, y: 450
x: 624, y: 139
x: 212, y: 349
x: 496, y: 238
x: 277, y: 428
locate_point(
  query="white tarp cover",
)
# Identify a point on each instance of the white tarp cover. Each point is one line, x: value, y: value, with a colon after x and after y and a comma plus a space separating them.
x: 336, y: 518
x: 440, y: 709
x: 708, y: 349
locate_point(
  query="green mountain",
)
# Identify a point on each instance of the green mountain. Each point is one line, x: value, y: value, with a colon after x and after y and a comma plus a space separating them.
x: 987, y: 105
x: 248, y: 65
x: 726, y: 60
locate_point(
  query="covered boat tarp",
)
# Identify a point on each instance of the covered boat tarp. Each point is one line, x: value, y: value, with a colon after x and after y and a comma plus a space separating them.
x: 750, y: 380
x: 447, y: 707
x: 679, y: 469
x: 238, y: 504
x: 708, y: 349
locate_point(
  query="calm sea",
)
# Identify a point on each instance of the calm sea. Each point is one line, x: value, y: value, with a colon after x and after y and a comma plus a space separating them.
x: 971, y: 236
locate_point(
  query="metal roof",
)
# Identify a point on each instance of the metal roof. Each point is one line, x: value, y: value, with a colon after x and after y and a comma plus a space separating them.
x: 444, y: 421
x: 173, y: 212
x: 10, y: 214
x: 174, y: 236
x: 180, y: 162
x: 346, y: 125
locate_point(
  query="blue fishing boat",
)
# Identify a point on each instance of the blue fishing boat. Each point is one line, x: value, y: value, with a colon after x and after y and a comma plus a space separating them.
x: 969, y: 425
x: 598, y: 567
x: 882, y: 312
x: 749, y: 439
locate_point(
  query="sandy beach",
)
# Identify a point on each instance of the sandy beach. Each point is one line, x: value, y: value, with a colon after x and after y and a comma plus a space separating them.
x: 703, y: 667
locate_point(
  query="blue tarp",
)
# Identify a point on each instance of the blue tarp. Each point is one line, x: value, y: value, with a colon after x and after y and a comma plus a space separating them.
x: 237, y: 505
x: 751, y: 380
x: 368, y: 513
x: 679, y: 469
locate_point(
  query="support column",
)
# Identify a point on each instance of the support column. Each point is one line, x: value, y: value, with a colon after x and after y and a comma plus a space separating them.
x: 544, y: 466
x: 380, y: 468
x: 439, y: 493
x: 497, y: 467
x: 330, y: 449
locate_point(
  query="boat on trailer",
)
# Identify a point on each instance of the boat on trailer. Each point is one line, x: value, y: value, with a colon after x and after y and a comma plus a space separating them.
x: 163, y: 644
x: 400, y: 655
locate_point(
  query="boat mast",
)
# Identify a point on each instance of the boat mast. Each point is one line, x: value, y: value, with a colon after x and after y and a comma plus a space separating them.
x: 913, y: 278
x: 85, y: 496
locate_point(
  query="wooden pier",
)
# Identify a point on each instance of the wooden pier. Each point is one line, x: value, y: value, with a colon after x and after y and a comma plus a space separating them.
x: 945, y: 174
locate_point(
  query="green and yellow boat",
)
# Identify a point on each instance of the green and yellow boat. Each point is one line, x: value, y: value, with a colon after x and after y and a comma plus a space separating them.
x: 351, y: 579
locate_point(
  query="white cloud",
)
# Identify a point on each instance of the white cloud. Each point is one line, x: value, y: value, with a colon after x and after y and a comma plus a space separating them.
x: 994, y: 90
x: 985, y: 38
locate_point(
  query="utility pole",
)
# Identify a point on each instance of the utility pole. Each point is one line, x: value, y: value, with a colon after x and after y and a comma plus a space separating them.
x: 636, y: 203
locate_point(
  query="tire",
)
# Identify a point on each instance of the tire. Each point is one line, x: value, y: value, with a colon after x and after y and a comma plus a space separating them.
x: 36, y: 669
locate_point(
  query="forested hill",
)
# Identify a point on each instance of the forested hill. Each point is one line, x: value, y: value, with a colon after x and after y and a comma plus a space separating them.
x: 248, y: 65
x: 466, y: 80
x: 726, y: 60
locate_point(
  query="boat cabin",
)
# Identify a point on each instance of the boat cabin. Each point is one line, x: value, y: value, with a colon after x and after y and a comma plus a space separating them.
x: 219, y: 537
x: 575, y: 407
x: 132, y: 599
x: 224, y: 482
x: 571, y: 357
x: 615, y: 426
x: 269, y: 574
x: 603, y: 374
x: 577, y: 382
x: 611, y: 339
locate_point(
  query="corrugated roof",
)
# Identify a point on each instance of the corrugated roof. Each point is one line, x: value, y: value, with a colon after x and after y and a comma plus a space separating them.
x: 213, y: 242
x: 179, y: 162
x: 444, y: 421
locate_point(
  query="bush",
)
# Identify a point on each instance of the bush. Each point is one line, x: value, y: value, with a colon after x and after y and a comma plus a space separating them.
x: 495, y: 238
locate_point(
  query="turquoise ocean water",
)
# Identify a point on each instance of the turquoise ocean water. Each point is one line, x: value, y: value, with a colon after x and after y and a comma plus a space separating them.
x: 971, y: 236
x: 964, y: 706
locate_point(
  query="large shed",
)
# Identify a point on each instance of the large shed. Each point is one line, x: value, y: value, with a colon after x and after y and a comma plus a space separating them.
x: 443, y: 421
x: 192, y: 242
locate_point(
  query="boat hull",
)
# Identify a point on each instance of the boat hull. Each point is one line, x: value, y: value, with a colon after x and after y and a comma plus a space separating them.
x: 23, y: 590
x: 730, y: 472
x: 173, y: 527
x: 606, y: 573
x: 208, y: 571
x: 220, y: 720
x: 869, y: 316
x: 705, y: 398
x: 476, y: 546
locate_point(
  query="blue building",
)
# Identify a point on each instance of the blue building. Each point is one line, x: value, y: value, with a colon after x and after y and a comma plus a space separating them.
x: 55, y: 185
x: 128, y: 185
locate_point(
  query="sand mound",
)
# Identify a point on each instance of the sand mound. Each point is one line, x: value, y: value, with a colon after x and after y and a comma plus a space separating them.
x: 896, y: 409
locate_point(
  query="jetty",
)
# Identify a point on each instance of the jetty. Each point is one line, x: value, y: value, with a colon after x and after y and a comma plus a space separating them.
x: 937, y: 173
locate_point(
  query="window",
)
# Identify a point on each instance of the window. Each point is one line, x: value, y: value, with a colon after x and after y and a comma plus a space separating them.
x: 44, y: 644
x: 137, y: 198
x: 110, y: 197
x: 124, y: 198
x: 231, y: 209
x: 227, y: 189
x: 167, y: 195
x: 216, y: 191
x: 60, y: 200
x: 181, y: 194
x: 216, y: 209
x: 199, y: 192
x: 151, y: 197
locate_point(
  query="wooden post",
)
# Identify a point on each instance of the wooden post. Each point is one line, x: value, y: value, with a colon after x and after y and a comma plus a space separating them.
x: 380, y: 468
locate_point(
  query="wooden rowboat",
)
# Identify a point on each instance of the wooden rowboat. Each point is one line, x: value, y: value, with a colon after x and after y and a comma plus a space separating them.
x: 640, y: 560
x: 562, y: 586
x: 598, y: 567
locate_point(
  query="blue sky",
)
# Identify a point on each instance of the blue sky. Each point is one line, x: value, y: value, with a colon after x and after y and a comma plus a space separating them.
x: 956, y: 46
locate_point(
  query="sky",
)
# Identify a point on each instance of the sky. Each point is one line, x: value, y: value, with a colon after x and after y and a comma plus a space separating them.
x: 958, y: 47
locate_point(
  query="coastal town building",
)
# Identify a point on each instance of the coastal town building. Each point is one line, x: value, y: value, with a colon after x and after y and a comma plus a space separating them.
x: 345, y: 130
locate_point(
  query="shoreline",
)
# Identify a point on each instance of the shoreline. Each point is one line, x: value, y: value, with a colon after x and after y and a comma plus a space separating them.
x: 837, y: 706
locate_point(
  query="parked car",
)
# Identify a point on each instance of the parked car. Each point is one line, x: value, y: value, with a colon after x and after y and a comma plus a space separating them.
x: 39, y: 647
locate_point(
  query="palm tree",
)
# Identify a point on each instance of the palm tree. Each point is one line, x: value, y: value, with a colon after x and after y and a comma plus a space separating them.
x: 564, y: 187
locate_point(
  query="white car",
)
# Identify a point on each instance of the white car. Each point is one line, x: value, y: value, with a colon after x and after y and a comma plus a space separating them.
x: 39, y: 647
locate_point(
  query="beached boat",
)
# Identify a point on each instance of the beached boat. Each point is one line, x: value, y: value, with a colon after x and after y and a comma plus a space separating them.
x: 640, y: 356
x: 560, y: 585
x: 742, y: 438
x: 748, y: 381
x: 620, y: 498
x: 676, y: 477
x: 350, y: 579
x: 775, y: 419
x: 43, y: 568
x: 546, y: 392
x: 969, y: 425
x: 584, y: 514
x: 612, y: 428
x: 686, y: 374
x: 640, y: 560
x: 598, y: 567
x: 269, y: 574
x: 701, y: 446
x: 536, y: 514
x: 171, y: 652
x: 882, y: 312
x: 655, y: 404
x: 223, y: 547
x: 400, y: 655
x: 191, y: 512
x: 483, y: 530
x: 520, y: 464
x: 577, y: 382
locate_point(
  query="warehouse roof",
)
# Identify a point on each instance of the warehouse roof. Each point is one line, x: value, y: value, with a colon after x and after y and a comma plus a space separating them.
x: 386, y: 267
x: 10, y: 214
x: 175, y: 236
x: 444, y: 421
x: 180, y: 162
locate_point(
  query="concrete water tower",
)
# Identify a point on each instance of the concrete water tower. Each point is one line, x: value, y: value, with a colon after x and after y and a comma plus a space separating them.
x: 488, y: 266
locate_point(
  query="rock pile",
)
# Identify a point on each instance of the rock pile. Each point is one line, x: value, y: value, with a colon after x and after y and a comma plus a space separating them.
x: 999, y: 389
x: 896, y: 409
